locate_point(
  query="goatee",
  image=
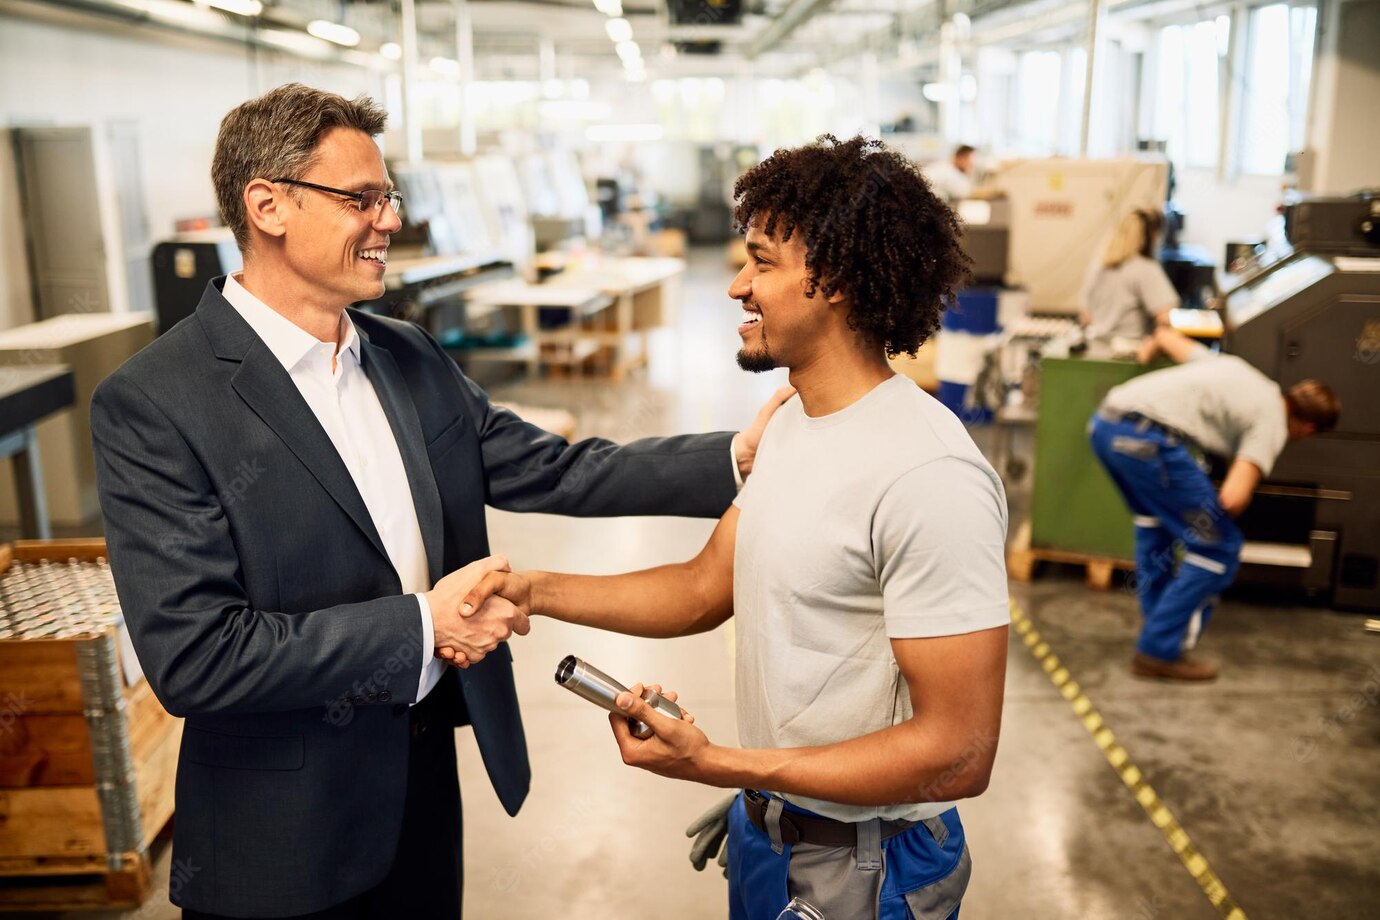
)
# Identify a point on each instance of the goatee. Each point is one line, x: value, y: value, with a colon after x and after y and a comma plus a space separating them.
x: 756, y: 362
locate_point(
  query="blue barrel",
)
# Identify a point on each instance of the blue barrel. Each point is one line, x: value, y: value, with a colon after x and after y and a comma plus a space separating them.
x: 954, y: 396
x: 974, y: 310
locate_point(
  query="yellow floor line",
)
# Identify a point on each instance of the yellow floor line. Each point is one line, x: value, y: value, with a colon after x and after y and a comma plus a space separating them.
x: 1120, y: 761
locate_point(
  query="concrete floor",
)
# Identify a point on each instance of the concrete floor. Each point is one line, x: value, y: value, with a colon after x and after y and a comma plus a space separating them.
x: 1272, y: 771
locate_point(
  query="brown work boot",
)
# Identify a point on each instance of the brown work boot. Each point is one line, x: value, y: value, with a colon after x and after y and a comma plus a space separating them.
x: 1185, y: 668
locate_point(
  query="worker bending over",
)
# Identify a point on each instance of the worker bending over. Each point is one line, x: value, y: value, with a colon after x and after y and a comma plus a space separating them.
x: 1188, y: 546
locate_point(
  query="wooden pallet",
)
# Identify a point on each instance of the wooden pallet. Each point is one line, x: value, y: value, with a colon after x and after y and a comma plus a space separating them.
x: 56, y: 885
x: 1022, y: 560
x: 55, y: 851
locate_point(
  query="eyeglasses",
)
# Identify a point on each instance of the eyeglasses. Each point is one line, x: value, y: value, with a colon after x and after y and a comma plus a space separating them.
x: 369, y: 201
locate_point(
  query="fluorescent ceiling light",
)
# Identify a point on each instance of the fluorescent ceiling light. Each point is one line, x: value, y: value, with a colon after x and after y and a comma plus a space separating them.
x: 333, y: 32
x: 296, y: 42
x: 574, y: 108
x: 391, y: 50
x: 629, y: 51
x: 616, y: 133
x: 444, y: 65
x: 609, y: 7
x: 183, y: 14
x: 937, y: 92
x: 620, y: 30
x: 238, y: 7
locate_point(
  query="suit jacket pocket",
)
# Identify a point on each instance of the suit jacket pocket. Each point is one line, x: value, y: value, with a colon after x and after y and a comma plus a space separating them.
x: 448, y: 437
x: 243, y: 752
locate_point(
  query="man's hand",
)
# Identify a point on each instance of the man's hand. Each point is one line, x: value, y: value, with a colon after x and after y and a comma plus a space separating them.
x: 463, y: 637
x: 1238, y: 486
x: 511, y: 586
x: 676, y: 748
x: 746, y: 441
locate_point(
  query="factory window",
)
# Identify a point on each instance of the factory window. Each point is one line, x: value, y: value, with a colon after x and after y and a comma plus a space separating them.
x: 1187, y: 94
x: 1036, y: 121
x: 1279, y: 67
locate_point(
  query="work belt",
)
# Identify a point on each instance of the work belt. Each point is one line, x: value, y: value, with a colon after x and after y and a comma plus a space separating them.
x: 826, y: 832
x: 1145, y: 423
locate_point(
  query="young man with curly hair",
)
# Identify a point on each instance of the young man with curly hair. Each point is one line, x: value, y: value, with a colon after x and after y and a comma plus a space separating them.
x: 863, y: 563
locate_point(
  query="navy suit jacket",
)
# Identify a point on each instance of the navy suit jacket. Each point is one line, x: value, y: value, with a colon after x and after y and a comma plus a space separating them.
x: 265, y: 610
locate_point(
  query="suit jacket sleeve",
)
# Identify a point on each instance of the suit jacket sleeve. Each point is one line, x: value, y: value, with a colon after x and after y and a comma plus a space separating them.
x: 203, y: 646
x: 529, y: 469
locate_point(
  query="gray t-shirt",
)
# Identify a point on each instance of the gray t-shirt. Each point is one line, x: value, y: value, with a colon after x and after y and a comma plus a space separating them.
x: 881, y: 521
x: 1228, y: 407
x: 1122, y: 301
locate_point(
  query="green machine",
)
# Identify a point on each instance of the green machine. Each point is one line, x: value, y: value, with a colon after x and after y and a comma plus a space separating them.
x: 1075, y: 507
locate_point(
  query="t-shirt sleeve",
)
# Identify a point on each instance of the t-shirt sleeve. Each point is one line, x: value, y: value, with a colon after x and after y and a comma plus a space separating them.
x: 1264, y: 441
x: 1156, y: 291
x: 939, y: 538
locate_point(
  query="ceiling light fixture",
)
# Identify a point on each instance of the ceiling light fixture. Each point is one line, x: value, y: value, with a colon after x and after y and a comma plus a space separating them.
x: 620, y: 30
x: 333, y: 32
x: 238, y: 7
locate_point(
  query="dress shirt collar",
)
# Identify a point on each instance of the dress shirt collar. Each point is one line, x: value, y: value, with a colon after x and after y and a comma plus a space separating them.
x: 289, y: 342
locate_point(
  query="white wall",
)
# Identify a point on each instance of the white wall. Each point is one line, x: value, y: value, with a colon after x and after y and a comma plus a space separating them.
x: 175, y: 89
x: 1346, y: 133
x: 1227, y: 210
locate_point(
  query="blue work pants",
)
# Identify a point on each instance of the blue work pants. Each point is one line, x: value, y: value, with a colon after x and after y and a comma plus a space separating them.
x: 1187, y: 548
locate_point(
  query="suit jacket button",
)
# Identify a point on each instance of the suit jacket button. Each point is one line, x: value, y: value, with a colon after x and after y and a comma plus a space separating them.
x: 385, y: 696
x: 371, y: 697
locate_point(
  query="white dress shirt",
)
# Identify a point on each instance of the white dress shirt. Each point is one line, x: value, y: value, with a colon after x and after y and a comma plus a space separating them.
x: 343, y: 400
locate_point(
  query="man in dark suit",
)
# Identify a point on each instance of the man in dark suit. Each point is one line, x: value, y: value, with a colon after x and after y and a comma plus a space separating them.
x: 286, y: 484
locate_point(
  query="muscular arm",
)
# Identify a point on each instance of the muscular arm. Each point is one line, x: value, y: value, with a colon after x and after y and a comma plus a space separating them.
x: 660, y: 603
x: 944, y: 752
x: 1238, y: 486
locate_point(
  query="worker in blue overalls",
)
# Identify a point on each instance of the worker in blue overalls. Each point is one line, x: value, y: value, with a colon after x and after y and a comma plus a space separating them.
x: 1188, y: 546
x: 862, y: 563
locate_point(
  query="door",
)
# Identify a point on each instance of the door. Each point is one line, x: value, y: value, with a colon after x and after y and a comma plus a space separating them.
x: 62, y: 211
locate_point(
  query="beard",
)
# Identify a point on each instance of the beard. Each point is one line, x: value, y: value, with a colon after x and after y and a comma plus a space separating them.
x: 757, y: 361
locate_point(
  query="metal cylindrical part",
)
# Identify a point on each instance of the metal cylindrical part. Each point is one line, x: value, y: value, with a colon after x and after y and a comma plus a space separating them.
x: 584, y: 680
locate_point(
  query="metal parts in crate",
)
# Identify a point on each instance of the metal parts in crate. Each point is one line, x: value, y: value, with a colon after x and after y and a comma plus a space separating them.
x: 89, y: 756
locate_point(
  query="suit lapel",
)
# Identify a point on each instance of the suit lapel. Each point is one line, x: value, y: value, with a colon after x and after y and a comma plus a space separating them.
x: 269, y: 391
x: 382, y: 371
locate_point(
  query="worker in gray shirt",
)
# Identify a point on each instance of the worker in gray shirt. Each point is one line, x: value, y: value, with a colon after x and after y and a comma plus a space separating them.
x: 1129, y: 294
x: 1142, y: 433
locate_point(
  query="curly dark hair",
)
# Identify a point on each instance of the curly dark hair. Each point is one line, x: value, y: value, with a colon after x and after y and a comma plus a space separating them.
x: 871, y: 227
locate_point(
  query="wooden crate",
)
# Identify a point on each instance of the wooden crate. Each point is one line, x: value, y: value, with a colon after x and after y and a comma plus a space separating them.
x: 87, y: 762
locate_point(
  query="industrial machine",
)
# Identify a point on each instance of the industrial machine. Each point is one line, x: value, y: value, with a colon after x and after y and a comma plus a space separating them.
x: 1063, y: 212
x: 1316, y: 313
x: 184, y: 265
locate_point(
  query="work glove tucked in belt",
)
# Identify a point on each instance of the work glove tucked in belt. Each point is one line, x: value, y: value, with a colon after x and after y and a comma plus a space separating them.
x: 710, y: 830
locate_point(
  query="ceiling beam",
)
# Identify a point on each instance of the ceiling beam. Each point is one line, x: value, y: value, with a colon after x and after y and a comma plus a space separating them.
x: 792, y: 17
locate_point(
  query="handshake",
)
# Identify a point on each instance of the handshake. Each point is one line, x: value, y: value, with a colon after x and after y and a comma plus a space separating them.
x: 469, y: 623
